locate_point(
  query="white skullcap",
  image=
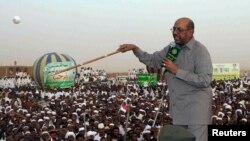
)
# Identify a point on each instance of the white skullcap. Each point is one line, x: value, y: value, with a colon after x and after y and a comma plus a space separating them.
x: 70, y: 134
x: 81, y: 129
x: 53, y: 113
x: 91, y: 133
x: 123, y: 116
x: 24, y: 127
x: 46, y: 118
x: 146, y: 132
x: 141, y: 110
x: 238, y: 110
x: 148, y: 127
x: 45, y: 132
x: 150, y: 120
x: 62, y: 102
x: 244, y: 119
x: 100, y: 126
x: 156, y: 109
x: 40, y: 120
x: 229, y: 107
x: 221, y: 114
x: 52, y: 125
x: 219, y: 118
x: 24, y: 110
x: 242, y: 102
x: 33, y: 120
x: 86, y: 123
x: 44, y: 127
x: 27, y: 132
x: 10, y: 122
x: 128, y: 129
x: 28, y: 115
x: 214, y: 116
x: 224, y: 104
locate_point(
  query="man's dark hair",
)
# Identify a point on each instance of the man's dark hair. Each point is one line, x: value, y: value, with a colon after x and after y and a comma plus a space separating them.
x: 79, y: 135
x: 190, y: 24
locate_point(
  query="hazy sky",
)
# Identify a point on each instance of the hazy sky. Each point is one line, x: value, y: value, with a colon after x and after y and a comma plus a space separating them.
x: 86, y: 29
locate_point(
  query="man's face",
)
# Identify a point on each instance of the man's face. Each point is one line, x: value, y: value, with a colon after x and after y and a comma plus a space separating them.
x: 146, y: 136
x: 116, y: 132
x: 102, y: 131
x: 71, y: 138
x: 181, y: 33
x: 45, y: 136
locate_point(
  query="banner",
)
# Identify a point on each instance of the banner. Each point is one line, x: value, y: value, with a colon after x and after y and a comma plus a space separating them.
x: 147, y: 79
x: 61, y: 80
x: 226, y: 71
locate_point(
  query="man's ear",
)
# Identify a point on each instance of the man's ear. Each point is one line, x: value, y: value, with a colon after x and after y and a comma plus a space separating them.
x: 192, y: 31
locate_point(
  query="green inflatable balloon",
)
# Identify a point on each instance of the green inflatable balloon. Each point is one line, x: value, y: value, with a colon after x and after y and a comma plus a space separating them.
x: 42, y: 62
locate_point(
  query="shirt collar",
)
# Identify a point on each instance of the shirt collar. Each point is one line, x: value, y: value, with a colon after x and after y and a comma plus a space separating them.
x: 190, y: 44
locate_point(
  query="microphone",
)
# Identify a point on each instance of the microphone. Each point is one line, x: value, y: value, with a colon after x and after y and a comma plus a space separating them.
x: 172, y: 54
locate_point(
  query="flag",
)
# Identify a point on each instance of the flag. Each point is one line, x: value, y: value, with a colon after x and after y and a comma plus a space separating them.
x: 124, y: 107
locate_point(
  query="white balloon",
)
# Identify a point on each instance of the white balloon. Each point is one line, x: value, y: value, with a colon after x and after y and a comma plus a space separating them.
x: 16, y: 20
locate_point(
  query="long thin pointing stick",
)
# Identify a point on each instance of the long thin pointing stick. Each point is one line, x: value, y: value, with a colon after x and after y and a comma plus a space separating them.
x: 87, y: 62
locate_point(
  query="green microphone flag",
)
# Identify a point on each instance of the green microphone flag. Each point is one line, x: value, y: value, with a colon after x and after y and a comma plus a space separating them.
x: 172, y: 54
x: 173, y: 51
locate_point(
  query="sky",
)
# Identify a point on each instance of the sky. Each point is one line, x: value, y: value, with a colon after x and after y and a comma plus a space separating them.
x: 86, y: 29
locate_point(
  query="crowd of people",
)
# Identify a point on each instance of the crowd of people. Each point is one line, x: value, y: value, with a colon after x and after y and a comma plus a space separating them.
x: 89, y: 112
x: 231, y: 102
x: 87, y: 74
x: 21, y: 79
